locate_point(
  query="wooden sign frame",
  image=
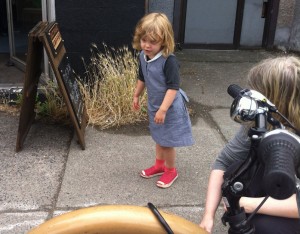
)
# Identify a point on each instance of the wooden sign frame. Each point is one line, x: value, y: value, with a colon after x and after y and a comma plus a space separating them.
x: 32, y: 75
x: 47, y: 35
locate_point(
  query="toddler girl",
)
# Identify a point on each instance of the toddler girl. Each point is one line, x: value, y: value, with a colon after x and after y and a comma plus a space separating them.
x: 169, y: 121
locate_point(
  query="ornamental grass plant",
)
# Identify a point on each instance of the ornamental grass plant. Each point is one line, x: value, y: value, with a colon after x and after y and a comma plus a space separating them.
x: 108, y: 88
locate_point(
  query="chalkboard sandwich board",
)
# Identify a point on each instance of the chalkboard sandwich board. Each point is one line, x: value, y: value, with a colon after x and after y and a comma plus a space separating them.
x: 47, y: 35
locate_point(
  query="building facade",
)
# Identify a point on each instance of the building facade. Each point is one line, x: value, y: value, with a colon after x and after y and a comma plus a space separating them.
x: 209, y: 24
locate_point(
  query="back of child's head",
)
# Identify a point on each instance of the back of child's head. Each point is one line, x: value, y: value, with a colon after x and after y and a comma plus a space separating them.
x: 156, y: 27
x: 279, y: 80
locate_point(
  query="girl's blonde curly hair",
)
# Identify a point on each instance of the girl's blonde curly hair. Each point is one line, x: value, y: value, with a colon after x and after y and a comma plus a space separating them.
x: 157, y: 27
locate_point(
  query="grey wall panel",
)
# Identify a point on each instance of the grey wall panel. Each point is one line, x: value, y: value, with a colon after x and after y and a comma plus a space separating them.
x: 165, y: 6
x: 253, y: 24
x: 210, y: 21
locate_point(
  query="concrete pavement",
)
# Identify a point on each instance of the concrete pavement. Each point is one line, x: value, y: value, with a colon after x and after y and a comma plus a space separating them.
x: 52, y: 175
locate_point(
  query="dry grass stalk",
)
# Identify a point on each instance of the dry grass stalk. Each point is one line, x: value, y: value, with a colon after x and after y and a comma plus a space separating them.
x: 11, y: 110
x: 109, y: 87
x: 49, y: 106
x: 53, y: 109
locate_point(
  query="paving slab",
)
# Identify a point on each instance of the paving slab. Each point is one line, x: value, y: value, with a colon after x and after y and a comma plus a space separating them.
x: 30, y: 178
x: 107, y: 171
x: 206, y: 74
x: 18, y: 223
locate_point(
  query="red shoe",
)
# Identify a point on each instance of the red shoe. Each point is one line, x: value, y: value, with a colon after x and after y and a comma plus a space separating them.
x: 167, y: 179
x: 152, y: 171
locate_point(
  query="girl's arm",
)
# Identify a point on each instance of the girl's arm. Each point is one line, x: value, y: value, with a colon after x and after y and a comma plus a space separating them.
x: 235, y: 150
x: 213, y: 198
x: 283, y: 208
x: 167, y: 102
x: 138, y: 90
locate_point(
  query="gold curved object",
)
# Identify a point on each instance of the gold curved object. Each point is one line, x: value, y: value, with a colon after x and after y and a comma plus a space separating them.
x: 114, y: 219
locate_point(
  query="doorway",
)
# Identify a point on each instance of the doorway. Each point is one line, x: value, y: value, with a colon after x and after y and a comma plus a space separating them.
x: 18, y: 17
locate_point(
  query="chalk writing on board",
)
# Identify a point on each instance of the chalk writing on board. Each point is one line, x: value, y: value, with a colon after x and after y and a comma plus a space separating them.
x: 72, y: 87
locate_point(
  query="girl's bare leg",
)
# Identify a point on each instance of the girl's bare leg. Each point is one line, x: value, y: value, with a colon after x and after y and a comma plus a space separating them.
x: 166, y: 153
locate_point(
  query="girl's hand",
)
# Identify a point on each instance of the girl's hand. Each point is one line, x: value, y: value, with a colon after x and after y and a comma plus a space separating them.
x: 207, y: 224
x: 136, y: 103
x: 160, y: 116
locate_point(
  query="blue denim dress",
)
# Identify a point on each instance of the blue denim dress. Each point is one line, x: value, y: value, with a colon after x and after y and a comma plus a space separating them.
x: 176, y: 130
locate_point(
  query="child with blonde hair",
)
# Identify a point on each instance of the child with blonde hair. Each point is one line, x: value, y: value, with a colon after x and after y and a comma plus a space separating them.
x: 169, y: 120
